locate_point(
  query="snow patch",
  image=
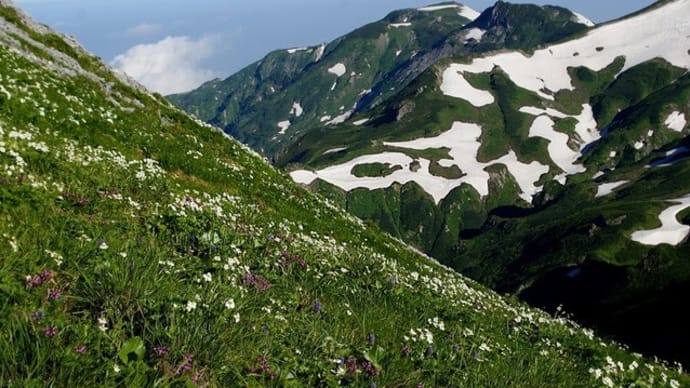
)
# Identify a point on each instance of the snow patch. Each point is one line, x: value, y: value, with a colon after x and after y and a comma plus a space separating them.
x: 613, y: 154
x: 334, y: 150
x: 360, y: 122
x: 455, y: 85
x: 319, y: 52
x: 338, y: 69
x: 283, y: 125
x: 676, y: 121
x: 398, y: 25
x: 463, y: 10
x: 340, y: 118
x: 296, y: 109
x: 661, y: 32
x: 671, y: 231
x: 607, y: 188
x: 397, y: 53
x: 325, y: 118
x: 639, y: 145
x: 559, y: 150
x: 296, y: 49
x: 582, y: 20
x: 534, y: 111
x: 462, y: 139
x: 475, y: 33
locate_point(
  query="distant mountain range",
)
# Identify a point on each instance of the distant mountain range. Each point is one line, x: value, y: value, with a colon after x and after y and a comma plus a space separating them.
x: 523, y: 146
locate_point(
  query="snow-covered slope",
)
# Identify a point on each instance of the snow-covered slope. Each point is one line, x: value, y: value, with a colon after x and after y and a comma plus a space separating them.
x: 659, y: 33
x: 662, y: 32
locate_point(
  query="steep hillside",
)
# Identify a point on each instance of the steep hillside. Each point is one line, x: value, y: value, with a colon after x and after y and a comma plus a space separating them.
x: 266, y: 105
x: 141, y: 247
x: 518, y: 168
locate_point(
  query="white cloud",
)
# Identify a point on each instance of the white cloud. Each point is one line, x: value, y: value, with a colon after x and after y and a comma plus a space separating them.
x: 143, y: 29
x: 172, y: 65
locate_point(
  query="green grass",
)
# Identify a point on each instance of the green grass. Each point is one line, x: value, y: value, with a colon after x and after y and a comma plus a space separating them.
x: 143, y: 248
x: 452, y: 172
x: 374, y: 169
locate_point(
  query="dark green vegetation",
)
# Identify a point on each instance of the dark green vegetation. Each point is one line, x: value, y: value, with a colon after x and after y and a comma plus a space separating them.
x: 249, y: 104
x: 380, y: 59
x: 141, y: 248
x: 374, y: 169
x: 534, y: 250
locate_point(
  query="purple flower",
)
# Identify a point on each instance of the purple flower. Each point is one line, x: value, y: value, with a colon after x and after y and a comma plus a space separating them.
x: 456, y: 348
x: 54, y: 294
x: 429, y: 351
x: 34, y: 281
x: 372, y: 338
x: 80, y: 349
x: 50, y: 331
x: 186, y: 363
x: 160, y: 351
x: 370, y: 369
x: 47, y: 275
x: 317, y: 307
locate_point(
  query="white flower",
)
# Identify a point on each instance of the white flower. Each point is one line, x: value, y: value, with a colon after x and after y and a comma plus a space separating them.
x: 103, y: 246
x: 123, y: 254
x: 484, y: 347
x: 191, y: 305
x: 207, y: 277
x: 674, y: 384
x: 237, y: 317
x: 607, y: 381
x: 116, y: 368
x: 230, y: 304
x: 102, y: 324
x: 596, y: 372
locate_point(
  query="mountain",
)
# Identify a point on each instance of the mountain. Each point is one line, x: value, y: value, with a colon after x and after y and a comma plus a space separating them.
x: 266, y: 105
x: 559, y: 175
x: 141, y: 247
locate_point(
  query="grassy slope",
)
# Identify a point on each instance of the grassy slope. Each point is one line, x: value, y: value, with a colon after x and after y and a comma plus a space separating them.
x: 141, y: 248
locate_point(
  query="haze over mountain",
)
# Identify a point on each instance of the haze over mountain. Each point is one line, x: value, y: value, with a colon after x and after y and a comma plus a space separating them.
x: 516, y: 148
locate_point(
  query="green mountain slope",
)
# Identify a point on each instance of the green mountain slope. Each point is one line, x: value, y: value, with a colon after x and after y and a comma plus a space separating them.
x: 518, y: 177
x: 266, y: 105
x: 141, y: 247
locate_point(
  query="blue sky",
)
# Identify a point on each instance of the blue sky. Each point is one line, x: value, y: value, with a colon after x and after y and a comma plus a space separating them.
x: 174, y: 45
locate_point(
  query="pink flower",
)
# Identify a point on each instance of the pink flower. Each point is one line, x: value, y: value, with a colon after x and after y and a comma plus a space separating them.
x: 54, y: 294
x: 50, y: 331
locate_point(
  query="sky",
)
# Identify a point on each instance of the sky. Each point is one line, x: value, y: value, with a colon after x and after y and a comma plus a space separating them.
x: 173, y: 46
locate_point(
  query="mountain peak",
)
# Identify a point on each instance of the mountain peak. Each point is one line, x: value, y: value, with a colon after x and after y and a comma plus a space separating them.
x: 462, y: 9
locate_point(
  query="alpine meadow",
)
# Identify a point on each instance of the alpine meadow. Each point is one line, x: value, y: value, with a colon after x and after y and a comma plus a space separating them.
x: 463, y: 224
